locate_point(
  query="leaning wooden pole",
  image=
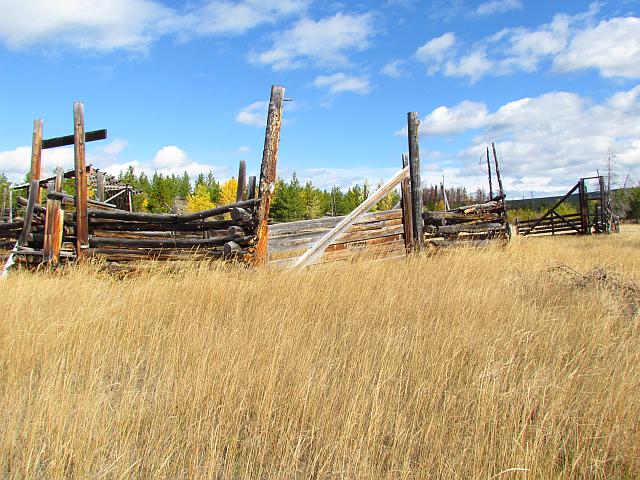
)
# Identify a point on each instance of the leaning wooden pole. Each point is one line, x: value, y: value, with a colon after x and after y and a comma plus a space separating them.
x: 416, y: 187
x: 407, y: 209
x: 81, y: 194
x: 268, y: 172
x: 495, y: 158
x: 242, y: 182
x: 36, y: 155
x: 489, y: 167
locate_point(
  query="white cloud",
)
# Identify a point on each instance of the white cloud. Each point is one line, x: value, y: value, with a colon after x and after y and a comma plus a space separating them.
x: 474, y: 66
x: 325, y: 178
x: 546, y: 142
x: 170, y: 156
x: 612, y: 47
x: 394, y: 69
x: 254, y: 115
x: 243, y: 150
x: 342, y: 83
x: 100, y: 25
x: 325, y: 42
x: 435, y: 51
x: 498, y: 6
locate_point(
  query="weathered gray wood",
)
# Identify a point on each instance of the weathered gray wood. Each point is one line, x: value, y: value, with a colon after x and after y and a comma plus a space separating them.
x: 81, y: 193
x: 242, y: 182
x: 230, y: 249
x: 552, y: 209
x: 168, y: 217
x: 407, y: 208
x: 70, y: 139
x: 96, y: 241
x: 121, y: 226
x: 416, y: 187
x: 252, y: 188
x: 36, y: 156
x: 313, y: 253
x: 489, y: 168
x: 327, y: 223
x: 235, y: 231
x: 69, y: 200
x: 100, y: 186
x: 28, y: 216
x: 467, y: 228
x: 268, y: 173
x: 495, y: 157
x: 5, y: 194
x: 54, y: 225
x: 240, y: 215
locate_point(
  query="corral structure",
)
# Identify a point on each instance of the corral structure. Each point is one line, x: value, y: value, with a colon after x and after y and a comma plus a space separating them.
x: 72, y: 228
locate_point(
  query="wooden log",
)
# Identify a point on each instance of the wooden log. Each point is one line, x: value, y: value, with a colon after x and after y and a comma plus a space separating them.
x: 71, y: 201
x: 327, y: 223
x: 70, y: 139
x: 168, y: 217
x: 5, y: 194
x: 81, y: 193
x: 495, y: 157
x: 489, y: 169
x: 36, y: 155
x: 313, y: 253
x: 100, y: 186
x: 199, y: 226
x: 11, y: 226
x: 235, y: 231
x: 28, y: 216
x: 96, y: 241
x: 416, y: 187
x: 407, y: 208
x: 468, y: 228
x: 241, y: 192
x: 230, y: 249
x: 54, y: 226
x: 240, y: 215
x: 268, y: 174
x: 252, y: 188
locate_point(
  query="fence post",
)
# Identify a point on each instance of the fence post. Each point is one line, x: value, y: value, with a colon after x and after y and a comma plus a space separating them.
x: 54, y: 224
x: 490, y: 184
x: 242, y: 182
x: 268, y: 172
x: 100, y: 186
x: 416, y: 188
x: 407, y: 209
x: 5, y: 193
x: 251, y: 190
x: 495, y: 157
x: 36, y: 155
x: 82, y: 219
x: 23, y: 240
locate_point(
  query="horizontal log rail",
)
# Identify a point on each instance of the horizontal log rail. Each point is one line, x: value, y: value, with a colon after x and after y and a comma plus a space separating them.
x: 95, y: 241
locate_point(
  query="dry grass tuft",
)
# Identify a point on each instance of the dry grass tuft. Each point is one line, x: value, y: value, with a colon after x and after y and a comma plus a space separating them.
x: 472, y: 363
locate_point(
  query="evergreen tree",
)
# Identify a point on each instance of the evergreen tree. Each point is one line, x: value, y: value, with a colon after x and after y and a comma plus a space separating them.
x: 184, y: 186
x: 214, y: 188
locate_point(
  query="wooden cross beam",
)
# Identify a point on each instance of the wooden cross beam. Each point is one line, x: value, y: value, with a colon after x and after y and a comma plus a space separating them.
x: 69, y: 139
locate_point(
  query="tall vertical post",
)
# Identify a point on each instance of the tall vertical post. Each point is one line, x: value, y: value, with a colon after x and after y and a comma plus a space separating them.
x: 584, y: 207
x: 495, y: 158
x: 489, y: 167
x: 10, y: 205
x: 407, y: 209
x: 23, y: 239
x: 242, y: 182
x: 416, y: 188
x: 268, y: 171
x: 5, y: 193
x: 36, y: 155
x: 100, y: 186
x: 82, y: 219
x: 251, y: 190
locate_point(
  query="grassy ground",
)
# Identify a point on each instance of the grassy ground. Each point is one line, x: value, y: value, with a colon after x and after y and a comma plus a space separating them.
x: 506, y: 362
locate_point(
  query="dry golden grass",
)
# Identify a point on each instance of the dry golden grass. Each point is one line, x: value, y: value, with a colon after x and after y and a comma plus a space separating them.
x: 466, y: 364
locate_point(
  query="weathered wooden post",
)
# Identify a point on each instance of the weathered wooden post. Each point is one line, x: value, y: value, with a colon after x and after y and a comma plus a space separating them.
x: 242, y: 182
x: 584, y: 207
x: 36, y: 155
x: 23, y: 240
x: 407, y: 209
x: 268, y: 172
x: 100, y: 186
x: 489, y: 167
x: 495, y: 157
x: 54, y: 223
x: 251, y: 193
x: 82, y: 219
x: 416, y: 188
x: 5, y: 193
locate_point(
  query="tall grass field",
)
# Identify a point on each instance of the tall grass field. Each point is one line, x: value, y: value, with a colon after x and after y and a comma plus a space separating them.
x: 506, y: 362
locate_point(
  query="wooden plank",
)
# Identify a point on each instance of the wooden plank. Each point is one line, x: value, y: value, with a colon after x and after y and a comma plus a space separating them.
x: 36, y: 156
x: 241, y: 192
x: 96, y: 241
x: 100, y: 186
x: 54, y: 225
x: 28, y: 216
x: 70, y: 139
x: 133, y: 227
x: 407, y: 208
x: 268, y: 174
x: 314, y: 253
x: 81, y: 193
x: 416, y: 187
x: 327, y: 223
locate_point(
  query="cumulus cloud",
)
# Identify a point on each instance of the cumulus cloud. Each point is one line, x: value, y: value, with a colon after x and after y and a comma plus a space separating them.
x: 394, y: 69
x: 342, y: 83
x: 566, y: 43
x: 254, y: 114
x: 324, y: 42
x: 546, y: 142
x: 99, y: 25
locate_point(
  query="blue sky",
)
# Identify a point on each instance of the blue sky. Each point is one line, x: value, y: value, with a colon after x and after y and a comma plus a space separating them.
x: 184, y: 85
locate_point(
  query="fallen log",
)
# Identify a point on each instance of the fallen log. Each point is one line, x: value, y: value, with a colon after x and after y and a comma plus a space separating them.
x: 166, y: 243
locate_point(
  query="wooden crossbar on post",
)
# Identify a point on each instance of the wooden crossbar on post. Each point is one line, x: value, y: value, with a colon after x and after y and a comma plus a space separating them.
x: 268, y: 172
x: 318, y: 249
x: 416, y: 187
x: 70, y: 139
x: 81, y: 194
x: 36, y: 156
